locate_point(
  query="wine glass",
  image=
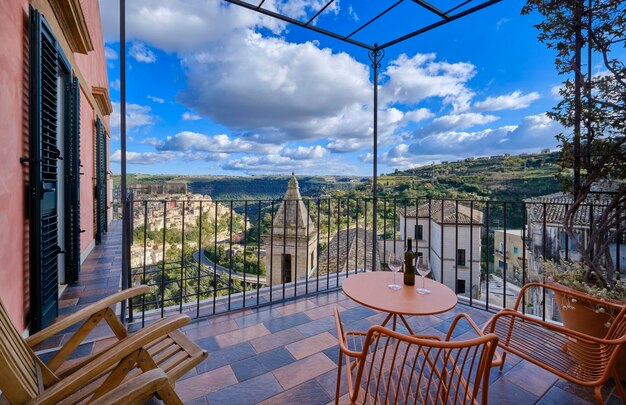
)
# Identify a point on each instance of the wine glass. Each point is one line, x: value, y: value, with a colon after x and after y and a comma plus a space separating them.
x: 423, y: 268
x: 395, y: 264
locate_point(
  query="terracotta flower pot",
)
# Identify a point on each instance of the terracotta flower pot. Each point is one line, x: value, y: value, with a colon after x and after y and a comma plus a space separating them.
x: 587, y: 318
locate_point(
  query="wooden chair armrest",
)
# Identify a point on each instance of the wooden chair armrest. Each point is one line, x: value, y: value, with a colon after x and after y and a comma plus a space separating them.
x: 136, y: 390
x: 106, y: 360
x: 85, y: 313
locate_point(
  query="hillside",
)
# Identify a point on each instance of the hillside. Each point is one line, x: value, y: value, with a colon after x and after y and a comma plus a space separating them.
x: 501, y: 178
x: 253, y: 187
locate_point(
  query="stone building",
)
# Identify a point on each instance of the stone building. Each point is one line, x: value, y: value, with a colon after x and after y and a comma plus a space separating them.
x: 292, y: 245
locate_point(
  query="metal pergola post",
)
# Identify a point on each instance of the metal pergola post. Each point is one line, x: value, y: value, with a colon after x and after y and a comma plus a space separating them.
x: 125, y: 203
x: 376, y: 57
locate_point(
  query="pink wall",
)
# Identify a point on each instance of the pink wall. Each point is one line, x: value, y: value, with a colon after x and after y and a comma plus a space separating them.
x: 13, y: 131
x: 14, y: 253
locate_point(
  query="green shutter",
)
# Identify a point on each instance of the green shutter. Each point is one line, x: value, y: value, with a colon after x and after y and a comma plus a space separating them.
x: 72, y: 189
x: 43, y: 159
x: 101, y: 189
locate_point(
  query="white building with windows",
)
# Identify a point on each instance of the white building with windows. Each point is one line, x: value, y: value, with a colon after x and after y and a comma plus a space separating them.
x: 448, y: 234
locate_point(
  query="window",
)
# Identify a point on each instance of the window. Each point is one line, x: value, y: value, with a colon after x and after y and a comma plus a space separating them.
x: 460, y: 257
x: 501, y: 265
x: 285, y: 260
x: 515, y: 251
x: 419, y: 232
x: 460, y: 286
x: 501, y: 247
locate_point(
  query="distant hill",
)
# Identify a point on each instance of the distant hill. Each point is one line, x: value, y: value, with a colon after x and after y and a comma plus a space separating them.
x: 253, y: 187
x: 502, y: 178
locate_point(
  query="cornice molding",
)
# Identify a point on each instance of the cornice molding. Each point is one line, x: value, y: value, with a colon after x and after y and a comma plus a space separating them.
x: 101, y: 95
x: 69, y: 14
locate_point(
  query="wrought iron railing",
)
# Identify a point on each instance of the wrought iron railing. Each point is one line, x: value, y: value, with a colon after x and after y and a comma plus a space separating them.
x: 204, y: 257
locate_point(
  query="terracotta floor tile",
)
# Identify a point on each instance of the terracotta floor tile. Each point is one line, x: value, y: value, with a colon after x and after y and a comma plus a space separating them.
x: 323, y: 311
x: 205, y: 383
x: 269, y: 342
x: 309, y: 393
x: 311, y: 345
x: 300, y: 371
x: 212, y: 330
x: 241, y: 335
x: 531, y: 378
x: 298, y: 306
x: 251, y: 391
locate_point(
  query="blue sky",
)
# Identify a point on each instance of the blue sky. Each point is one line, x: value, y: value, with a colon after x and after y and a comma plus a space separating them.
x: 216, y: 89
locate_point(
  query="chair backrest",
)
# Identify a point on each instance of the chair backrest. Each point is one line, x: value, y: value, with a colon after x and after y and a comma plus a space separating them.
x: 20, y: 373
x: 398, y: 368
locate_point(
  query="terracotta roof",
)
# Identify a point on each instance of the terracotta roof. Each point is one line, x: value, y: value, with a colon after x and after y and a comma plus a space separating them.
x: 347, y: 250
x: 448, y: 215
x: 556, y: 204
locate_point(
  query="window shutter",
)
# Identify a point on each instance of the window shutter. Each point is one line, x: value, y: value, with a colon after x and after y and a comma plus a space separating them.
x: 43, y: 157
x: 101, y: 214
x: 72, y: 190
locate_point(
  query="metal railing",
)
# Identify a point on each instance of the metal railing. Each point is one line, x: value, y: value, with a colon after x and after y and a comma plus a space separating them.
x: 203, y: 257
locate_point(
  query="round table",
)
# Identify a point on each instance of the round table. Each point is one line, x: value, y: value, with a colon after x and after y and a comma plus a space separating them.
x: 370, y: 289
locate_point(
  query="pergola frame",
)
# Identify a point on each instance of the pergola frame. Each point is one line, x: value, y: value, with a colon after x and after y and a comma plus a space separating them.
x: 375, y: 51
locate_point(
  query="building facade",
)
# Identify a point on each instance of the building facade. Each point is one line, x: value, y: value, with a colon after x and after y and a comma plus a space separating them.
x: 54, y: 116
x: 292, y: 245
x: 449, y: 235
x: 509, y: 255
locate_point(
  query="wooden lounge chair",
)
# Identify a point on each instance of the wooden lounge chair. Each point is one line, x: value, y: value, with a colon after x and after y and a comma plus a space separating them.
x: 388, y: 367
x: 581, y: 359
x: 24, y: 378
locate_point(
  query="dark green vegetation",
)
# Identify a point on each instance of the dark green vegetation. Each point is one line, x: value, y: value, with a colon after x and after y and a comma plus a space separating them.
x: 251, y: 187
x: 502, y: 178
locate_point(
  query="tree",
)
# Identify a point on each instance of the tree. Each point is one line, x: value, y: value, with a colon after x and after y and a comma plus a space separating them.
x: 593, y: 111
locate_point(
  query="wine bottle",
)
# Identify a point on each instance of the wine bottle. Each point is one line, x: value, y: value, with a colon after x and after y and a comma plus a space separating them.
x: 409, y: 260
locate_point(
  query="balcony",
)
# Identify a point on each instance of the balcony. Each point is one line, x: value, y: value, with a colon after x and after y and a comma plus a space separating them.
x: 277, y: 344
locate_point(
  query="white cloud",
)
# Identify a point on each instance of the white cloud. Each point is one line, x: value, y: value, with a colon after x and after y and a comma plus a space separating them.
x: 534, y: 133
x: 455, y: 122
x: 514, y: 101
x: 413, y: 79
x: 110, y: 53
x: 283, y: 164
x: 280, y: 90
x: 150, y: 141
x: 143, y: 158
x: 187, y: 116
x: 156, y: 99
x: 195, y: 142
x: 136, y: 116
x: 306, y: 152
x: 115, y: 84
x: 501, y: 22
x: 141, y: 53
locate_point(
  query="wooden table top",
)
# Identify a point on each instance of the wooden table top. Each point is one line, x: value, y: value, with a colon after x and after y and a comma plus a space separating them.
x: 370, y: 289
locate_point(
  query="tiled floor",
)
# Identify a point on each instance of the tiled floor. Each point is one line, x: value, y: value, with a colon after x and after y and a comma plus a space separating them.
x: 287, y: 353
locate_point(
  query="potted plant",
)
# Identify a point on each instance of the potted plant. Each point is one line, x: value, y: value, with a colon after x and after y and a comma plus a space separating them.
x: 592, y: 111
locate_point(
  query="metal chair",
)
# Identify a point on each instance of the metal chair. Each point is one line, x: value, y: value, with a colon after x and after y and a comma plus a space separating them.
x: 388, y: 367
x: 579, y: 358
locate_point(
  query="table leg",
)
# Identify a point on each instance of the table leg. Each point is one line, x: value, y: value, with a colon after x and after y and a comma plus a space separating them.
x: 408, y: 328
x: 387, y: 320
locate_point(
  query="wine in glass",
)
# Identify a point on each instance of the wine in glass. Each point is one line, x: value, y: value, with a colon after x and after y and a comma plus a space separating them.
x: 395, y: 264
x: 423, y: 268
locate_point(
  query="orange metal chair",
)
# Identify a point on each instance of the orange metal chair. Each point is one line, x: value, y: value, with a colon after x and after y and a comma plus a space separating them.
x: 388, y: 367
x: 579, y: 358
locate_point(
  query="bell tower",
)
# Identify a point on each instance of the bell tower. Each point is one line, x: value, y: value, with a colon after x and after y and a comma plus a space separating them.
x: 291, y: 248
